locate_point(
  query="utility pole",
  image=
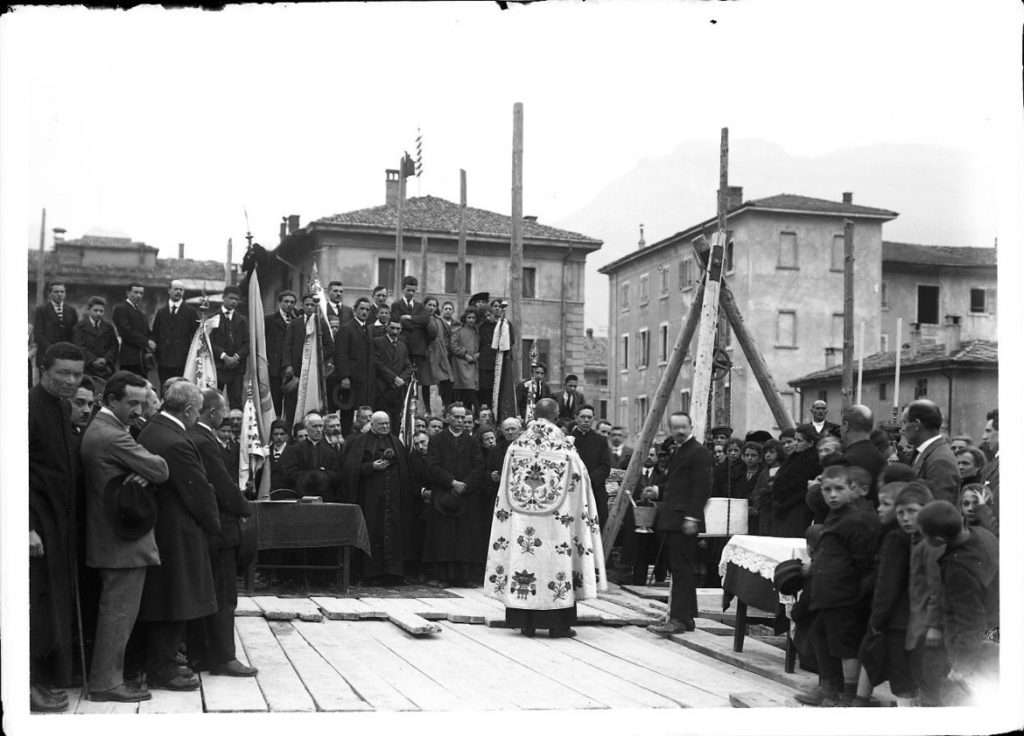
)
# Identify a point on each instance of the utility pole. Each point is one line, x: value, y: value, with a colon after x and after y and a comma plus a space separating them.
x: 847, y: 313
x: 423, y: 268
x: 40, y: 265
x: 460, y: 269
x: 398, y: 230
x: 515, y: 281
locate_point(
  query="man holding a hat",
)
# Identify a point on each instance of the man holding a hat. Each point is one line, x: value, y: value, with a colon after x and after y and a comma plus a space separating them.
x: 120, y: 515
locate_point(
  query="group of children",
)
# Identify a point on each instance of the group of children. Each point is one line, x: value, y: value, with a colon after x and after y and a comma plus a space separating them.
x: 907, y: 593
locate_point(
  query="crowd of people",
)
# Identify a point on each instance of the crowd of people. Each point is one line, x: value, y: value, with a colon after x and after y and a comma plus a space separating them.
x: 152, y: 575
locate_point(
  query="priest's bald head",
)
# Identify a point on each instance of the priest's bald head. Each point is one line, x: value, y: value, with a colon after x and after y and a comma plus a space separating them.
x: 546, y: 409
x: 380, y: 422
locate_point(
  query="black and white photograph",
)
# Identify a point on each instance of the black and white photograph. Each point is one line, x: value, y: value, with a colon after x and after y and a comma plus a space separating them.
x: 505, y: 367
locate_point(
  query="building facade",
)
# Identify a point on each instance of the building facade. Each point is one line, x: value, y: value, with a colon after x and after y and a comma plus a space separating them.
x: 358, y: 249
x: 784, y: 265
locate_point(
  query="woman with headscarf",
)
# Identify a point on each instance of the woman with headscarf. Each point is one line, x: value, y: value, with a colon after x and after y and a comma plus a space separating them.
x: 788, y: 513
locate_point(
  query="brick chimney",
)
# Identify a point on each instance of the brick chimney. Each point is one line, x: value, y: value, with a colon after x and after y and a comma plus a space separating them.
x: 847, y: 197
x: 590, y: 333
x: 641, y: 244
x: 915, y: 339
x: 951, y: 331
x: 181, y: 251
x: 733, y: 198
x: 58, y: 235
x: 391, y: 185
x: 293, y: 223
x: 831, y: 356
x: 284, y: 228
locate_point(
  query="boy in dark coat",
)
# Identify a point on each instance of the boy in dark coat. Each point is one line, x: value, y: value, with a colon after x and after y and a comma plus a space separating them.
x: 843, y: 561
x: 98, y: 339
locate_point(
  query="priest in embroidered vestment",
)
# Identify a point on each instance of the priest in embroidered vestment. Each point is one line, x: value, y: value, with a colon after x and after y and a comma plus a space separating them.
x: 545, y: 549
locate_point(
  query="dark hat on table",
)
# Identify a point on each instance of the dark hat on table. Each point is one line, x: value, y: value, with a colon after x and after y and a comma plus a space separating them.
x: 721, y: 429
x: 789, y: 577
x: 131, y: 508
x: 483, y: 296
x: 343, y: 398
x: 758, y: 435
x: 449, y: 503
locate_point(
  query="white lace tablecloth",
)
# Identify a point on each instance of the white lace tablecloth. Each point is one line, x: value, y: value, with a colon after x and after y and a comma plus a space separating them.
x: 761, y: 555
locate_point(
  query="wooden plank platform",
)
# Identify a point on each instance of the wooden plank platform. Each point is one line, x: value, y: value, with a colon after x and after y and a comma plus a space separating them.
x: 328, y: 689
x: 281, y: 686
x: 347, y: 609
x: 247, y: 607
x: 404, y: 613
x: 286, y: 609
x: 222, y: 694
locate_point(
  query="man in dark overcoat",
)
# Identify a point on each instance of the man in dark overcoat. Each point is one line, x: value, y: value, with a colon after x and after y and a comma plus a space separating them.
x: 133, y: 328
x: 173, y: 327
x: 680, y: 516
x: 181, y: 588
x: 413, y: 317
x: 540, y: 388
x: 229, y: 340
x: 452, y: 552
x: 377, y: 477
x: 295, y: 341
x: 593, y: 450
x: 54, y: 319
x: 53, y: 472
x: 353, y: 361
x: 275, y: 327
x: 311, y: 466
x: 393, y: 372
x: 210, y: 640
x: 97, y: 339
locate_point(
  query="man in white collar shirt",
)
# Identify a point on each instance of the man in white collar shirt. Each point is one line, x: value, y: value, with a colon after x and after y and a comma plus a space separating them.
x: 230, y: 342
x: 133, y: 328
x: 278, y: 444
x: 275, y: 327
x: 97, y: 338
x: 335, y: 293
x: 569, y: 398
x: 353, y: 362
x: 413, y: 316
x: 819, y: 410
x: 380, y: 298
x: 621, y: 452
x: 54, y: 318
x: 932, y: 460
x: 173, y: 327
x: 108, y: 451
x: 990, y: 443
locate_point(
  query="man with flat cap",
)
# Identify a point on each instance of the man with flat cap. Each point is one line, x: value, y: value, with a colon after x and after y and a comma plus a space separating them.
x: 545, y: 550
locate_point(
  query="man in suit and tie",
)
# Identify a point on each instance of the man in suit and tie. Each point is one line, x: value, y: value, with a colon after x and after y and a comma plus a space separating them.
x: 275, y: 327
x: 173, y: 327
x: 857, y: 423
x: 541, y: 390
x: 337, y: 315
x: 354, y: 363
x: 108, y: 451
x: 569, y: 398
x: 295, y: 341
x: 133, y: 327
x: 181, y: 587
x: 393, y: 372
x: 413, y: 317
x: 278, y: 444
x: 380, y: 299
x: 620, y: 451
x: 819, y: 410
x: 97, y: 339
x: 230, y: 343
x: 593, y: 450
x: 54, y: 320
x: 990, y: 443
x: 210, y: 640
x: 680, y: 516
x: 932, y: 460
x: 311, y: 466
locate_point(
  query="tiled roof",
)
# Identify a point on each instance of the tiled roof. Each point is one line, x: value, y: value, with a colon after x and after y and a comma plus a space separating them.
x: 433, y: 214
x: 166, y: 269
x: 105, y: 241
x: 974, y: 352
x: 937, y: 255
x: 595, y: 352
x: 811, y: 204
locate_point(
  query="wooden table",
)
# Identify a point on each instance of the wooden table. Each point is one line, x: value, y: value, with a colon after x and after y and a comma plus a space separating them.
x: 294, y: 525
x: 747, y: 568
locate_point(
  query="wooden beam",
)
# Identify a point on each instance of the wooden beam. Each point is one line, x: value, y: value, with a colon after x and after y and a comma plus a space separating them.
x: 703, y: 359
x: 847, y: 313
x: 515, y: 281
x: 460, y: 271
x: 423, y: 271
x: 398, y: 231
x: 652, y: 421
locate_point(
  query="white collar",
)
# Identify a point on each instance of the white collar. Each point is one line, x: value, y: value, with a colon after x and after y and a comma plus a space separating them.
x: 207, y: 426
x: 112, y: 415
x: 227, y: 312
x: 921, y: 448
x: 174, y: 304
x: 173, y: 419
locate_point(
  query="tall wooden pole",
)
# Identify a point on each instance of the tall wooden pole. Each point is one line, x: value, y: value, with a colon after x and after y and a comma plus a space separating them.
x: 398, y: 231
x: 847, y: 313
x: 899, y: 354
x: 748, y: 344
x: 515, y: 281
x: 460, y: 270
x: 653, y: 420
x: 423, y: 268
x: 860, y: 363
x: 40, y: 267
x: 228, y: 271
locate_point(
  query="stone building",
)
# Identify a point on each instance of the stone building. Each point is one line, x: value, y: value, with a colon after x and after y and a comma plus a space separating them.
x: 358, y: 249
x: 784, y: 265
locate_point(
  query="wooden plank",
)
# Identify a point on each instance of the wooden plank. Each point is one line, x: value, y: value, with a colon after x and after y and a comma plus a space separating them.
x: 647, y: 591
x: 276, y: 609
x: 446, y: 661
x: 222, y: 694
x: 377, y: 675
x: 346, y: 609
x: 585, y: 650
x: 328, y: 689
x: 494, y: 611
x: 605, y: 687
x: 171, y: 701
x: 247, y: 607
x: 78, y: 702
x: 308, y: 610
x: 281, y: 686
x: 622, y: 614
x: 705, y: 673
x: 587, y: 614
x: 411, y: 606
x: 752, y: 699
x: 757, y: 657
x: 713, y: 627
x: 402, y: 613
x: 460, y: 610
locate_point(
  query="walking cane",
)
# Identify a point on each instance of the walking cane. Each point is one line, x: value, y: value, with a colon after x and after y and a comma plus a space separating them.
x: 81, y: 638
